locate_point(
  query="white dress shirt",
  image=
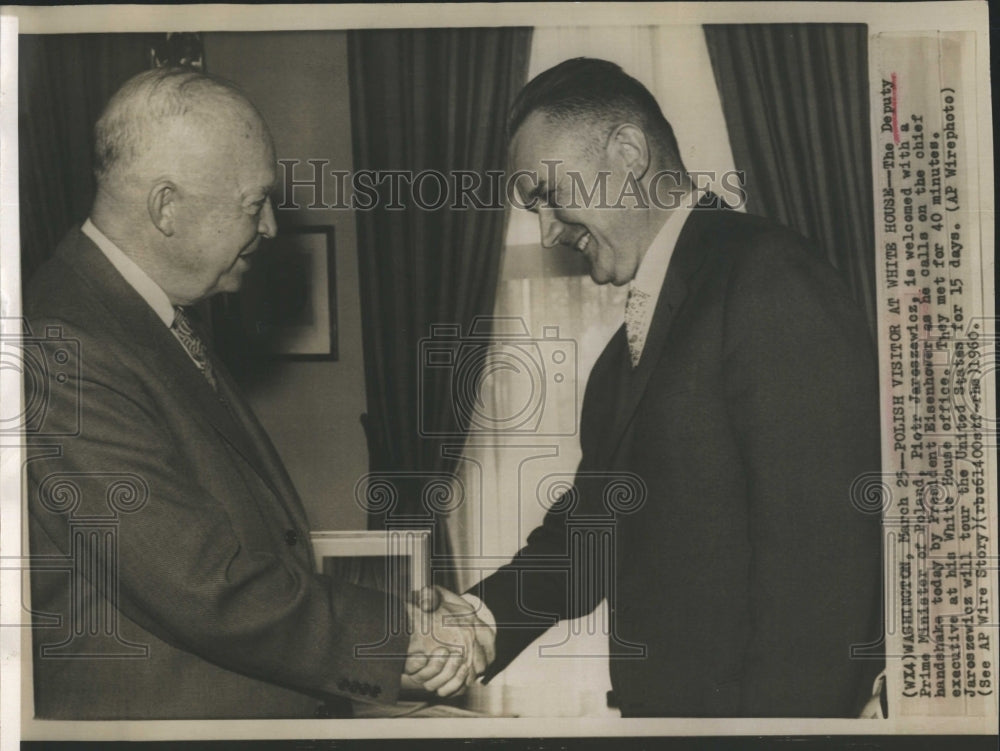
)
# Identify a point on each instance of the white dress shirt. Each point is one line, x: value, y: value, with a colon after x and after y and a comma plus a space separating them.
x: 653, y: 267
x: 138, y: 279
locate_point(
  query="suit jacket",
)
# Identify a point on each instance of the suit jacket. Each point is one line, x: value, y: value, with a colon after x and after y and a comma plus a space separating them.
x: 715, y: 486
x: 172, y: 568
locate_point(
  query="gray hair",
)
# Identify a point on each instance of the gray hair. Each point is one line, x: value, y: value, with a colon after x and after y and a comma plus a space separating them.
x: 141, y: 108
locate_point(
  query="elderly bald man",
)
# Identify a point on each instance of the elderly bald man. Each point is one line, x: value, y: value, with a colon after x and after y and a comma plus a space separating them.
x: 181, y: 582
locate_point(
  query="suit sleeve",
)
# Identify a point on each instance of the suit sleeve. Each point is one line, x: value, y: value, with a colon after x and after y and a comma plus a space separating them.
x: 548, y: 578
x: 802, y: 393
x: 532, y: 592
x: 191, y: 571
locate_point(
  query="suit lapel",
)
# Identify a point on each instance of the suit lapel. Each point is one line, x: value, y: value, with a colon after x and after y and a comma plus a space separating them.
x: 608, y: 383
x: 274, y: 473
x: 166, y: 358
x: 688, y: 256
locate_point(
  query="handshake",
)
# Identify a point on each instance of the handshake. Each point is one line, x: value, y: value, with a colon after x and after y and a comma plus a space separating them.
x: 450, y: 646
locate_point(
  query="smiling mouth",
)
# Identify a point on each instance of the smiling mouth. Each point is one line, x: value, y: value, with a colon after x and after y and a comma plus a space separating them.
x: 581, y: 244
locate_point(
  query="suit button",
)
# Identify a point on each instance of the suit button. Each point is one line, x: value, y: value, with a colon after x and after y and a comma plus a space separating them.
x: 291, y: 537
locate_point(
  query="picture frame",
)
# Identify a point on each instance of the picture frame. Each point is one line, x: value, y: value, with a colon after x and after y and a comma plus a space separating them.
x: 288, y: 303
x: 395, y: 561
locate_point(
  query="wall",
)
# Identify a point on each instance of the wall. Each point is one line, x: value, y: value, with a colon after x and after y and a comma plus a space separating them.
x: 299, y: 82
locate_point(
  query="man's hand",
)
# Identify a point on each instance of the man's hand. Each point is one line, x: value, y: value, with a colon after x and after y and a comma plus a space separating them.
x: 449, y: 645
x: 485, y: 633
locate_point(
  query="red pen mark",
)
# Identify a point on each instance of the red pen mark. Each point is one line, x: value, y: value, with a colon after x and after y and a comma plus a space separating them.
x: 895, y: 111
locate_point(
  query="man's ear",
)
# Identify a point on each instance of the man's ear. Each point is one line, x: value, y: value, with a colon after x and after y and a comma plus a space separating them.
x: 162, y: 206
x: 627, y: 143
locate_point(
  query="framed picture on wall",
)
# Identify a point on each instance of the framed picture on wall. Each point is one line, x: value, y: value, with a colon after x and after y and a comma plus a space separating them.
x: 288, y: 303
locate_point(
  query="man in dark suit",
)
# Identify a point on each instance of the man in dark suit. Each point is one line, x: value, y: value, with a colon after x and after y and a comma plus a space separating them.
x: 173, y: 573
x: 739, y: 403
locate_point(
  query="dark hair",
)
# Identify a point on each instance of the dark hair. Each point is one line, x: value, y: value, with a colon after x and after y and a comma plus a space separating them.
x: 598, y: 93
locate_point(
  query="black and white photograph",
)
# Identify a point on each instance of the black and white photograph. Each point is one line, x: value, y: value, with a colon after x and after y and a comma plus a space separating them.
x: 484, y: 371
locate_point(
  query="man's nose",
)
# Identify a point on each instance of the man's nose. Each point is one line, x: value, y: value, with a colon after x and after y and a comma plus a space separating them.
x: 550, y: 227
x: 267, y: 225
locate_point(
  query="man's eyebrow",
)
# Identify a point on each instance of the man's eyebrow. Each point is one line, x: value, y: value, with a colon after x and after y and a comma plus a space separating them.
x: 261, y: 193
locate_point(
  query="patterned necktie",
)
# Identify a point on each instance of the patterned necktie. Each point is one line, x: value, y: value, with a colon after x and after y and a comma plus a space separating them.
x: 194, y: 345
x: 635, y: 322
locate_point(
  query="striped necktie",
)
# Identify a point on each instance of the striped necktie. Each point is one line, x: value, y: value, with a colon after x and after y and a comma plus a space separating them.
x: 636, y: 326
x: 194, y: 345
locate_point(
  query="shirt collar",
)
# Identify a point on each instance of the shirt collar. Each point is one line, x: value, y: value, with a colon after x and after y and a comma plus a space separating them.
x: 138, y: 279
x: 653, y: 267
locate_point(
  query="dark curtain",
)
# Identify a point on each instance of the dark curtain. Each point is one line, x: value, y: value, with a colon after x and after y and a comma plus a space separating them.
x: 426, y: 100
x: 795, y: 98
x: 64, y: 81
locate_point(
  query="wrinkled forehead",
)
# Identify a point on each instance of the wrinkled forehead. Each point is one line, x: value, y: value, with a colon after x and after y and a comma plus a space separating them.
x: 532, y: 142
x: 541, y: 139
x: 239, y: 127
x: 233, y: 154
x: 543, y: 151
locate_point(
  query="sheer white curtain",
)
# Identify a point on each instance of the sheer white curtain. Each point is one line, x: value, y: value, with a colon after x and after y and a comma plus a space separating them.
x: 532, y: 388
